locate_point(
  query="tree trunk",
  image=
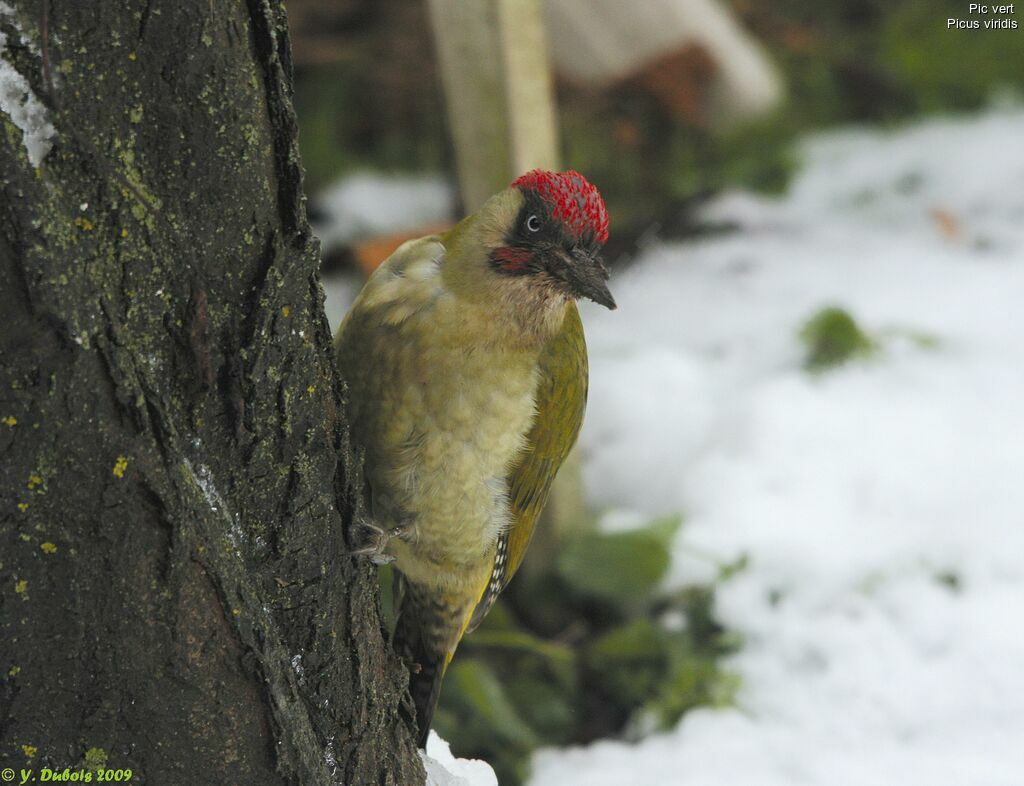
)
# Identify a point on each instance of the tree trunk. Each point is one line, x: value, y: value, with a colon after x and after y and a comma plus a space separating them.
x: 176, y: 594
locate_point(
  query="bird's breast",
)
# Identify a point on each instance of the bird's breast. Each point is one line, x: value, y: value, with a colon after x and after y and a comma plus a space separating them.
x: 452, y: 422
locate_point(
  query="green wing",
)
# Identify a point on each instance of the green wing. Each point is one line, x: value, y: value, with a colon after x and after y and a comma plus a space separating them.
x: 561, y: 399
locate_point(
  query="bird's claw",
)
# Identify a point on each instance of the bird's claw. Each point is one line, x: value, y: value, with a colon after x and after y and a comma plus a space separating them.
x: 375, y: 552
x: 380, y: 539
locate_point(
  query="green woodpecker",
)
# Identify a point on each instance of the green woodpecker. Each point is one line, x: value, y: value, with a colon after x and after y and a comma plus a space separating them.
x: 466, y: 371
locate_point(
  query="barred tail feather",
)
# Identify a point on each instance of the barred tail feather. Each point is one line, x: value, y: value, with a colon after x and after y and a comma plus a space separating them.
x: 429, y: 627
x: 422, y: 635
x: 425, y: 688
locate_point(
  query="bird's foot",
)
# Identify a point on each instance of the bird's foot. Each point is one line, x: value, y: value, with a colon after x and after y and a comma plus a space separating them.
x: 379, y: 539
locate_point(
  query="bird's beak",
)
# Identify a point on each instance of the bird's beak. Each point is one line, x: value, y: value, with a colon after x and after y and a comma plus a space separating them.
x: 586, y: 277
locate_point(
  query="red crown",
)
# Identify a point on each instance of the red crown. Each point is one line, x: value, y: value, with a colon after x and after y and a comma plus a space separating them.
x: 574, y: 201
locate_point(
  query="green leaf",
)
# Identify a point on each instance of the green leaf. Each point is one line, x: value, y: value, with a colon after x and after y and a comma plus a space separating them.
x: 641, y: 638
x: 694, y: 681
x: 478, y: 698
x: 524, y: 642
x: 633, y: 660
x: 545, y: 704
x: 620, y: 566
x: 831, y: 337
x: 665, y: 528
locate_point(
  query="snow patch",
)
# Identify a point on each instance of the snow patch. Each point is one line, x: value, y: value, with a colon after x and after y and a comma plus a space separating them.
x: 367, y: 205
x: 329, y: 760
x: 443, y: 769
x: 20, y: 104
x: 879, y: 504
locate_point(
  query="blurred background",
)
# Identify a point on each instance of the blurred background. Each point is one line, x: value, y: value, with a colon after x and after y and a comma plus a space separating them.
x: 789, y: 545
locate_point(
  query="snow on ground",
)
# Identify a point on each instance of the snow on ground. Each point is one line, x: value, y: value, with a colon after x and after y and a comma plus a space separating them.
x: 366, y: 205
x: 880, y: 505
x: 443, y: 769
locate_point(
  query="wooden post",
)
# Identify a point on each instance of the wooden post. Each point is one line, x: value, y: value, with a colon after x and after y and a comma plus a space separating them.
x: 497, y: 83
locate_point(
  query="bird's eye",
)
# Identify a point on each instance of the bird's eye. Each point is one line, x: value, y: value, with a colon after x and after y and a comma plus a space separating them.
x: 533, y: 224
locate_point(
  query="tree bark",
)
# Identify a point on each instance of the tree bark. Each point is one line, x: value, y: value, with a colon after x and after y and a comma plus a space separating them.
x: 176, y: 594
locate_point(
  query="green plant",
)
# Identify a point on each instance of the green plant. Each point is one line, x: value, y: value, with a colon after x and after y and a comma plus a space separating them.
x: 831, y: 337
x: 593, y: 647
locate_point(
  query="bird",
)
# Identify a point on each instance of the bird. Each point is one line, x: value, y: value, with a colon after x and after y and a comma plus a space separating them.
x: 466, y: 376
